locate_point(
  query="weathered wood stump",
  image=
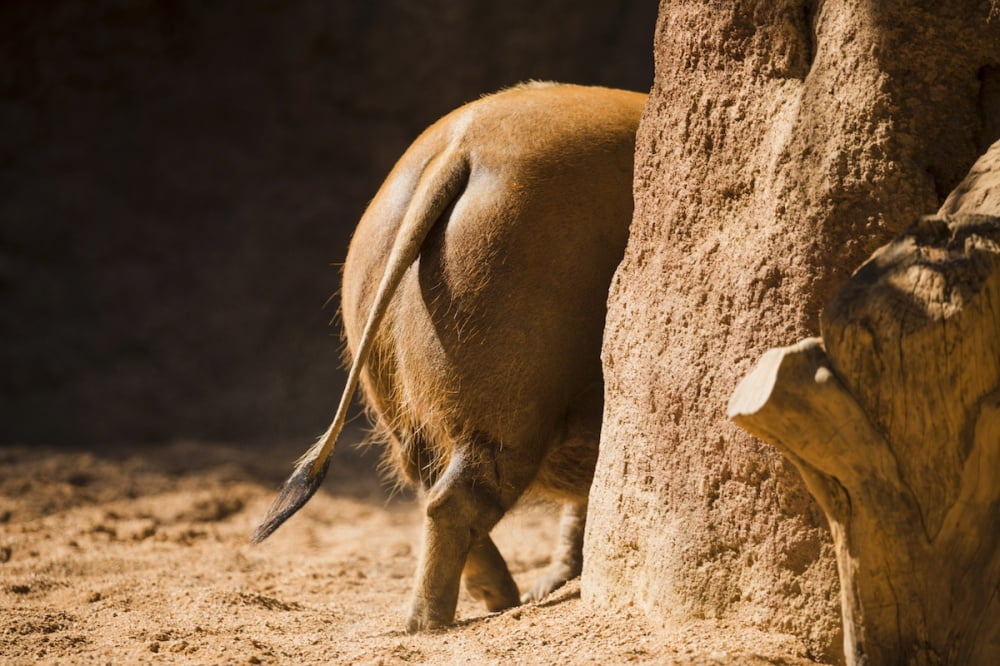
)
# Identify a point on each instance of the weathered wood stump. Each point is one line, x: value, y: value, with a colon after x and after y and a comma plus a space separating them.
x: 893, y: 420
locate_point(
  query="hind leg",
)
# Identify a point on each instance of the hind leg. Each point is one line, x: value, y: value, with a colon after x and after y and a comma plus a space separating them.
x: 487, y: 577
x: 567, y: 559
x: 461, y: 509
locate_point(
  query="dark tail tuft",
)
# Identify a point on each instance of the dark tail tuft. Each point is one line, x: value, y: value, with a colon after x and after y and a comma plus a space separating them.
x: 297, y: 490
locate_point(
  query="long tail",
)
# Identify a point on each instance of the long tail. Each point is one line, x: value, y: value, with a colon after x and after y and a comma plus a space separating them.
x: 441, y: 183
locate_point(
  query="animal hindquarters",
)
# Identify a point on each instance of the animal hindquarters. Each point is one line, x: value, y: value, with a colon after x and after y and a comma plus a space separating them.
x: 486, y: 368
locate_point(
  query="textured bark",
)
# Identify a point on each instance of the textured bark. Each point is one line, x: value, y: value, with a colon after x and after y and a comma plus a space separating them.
x: 896, y: 430
x: 979, y: 191
x: 782, y: 143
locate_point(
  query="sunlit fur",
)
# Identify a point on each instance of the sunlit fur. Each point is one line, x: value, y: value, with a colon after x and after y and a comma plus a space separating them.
x: 473, y: 302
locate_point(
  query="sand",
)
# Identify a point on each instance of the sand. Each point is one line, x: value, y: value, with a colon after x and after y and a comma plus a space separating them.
x: 140, y: 555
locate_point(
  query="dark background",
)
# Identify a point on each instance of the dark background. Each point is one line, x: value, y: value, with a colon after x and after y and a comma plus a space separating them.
x: 178, y: 181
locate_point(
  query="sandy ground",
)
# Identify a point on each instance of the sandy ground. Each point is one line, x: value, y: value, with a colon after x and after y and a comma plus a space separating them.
x: 140, y: 555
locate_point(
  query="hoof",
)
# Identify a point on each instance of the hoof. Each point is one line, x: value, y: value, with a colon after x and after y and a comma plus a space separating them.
x: 424, y: 617
x: 549, y: 583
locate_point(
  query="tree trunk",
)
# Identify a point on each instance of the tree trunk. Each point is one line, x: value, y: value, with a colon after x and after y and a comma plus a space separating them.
x: 895, y: 427
x: 783, y: 142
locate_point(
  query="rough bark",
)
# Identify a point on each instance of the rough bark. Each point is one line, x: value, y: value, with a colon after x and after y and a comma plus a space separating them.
x: 783, y: 142
x: 896, y: 431
x: 979, y: 191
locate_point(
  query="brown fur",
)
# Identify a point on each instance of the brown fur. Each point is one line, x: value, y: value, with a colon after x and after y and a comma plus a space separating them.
x: 473, y: 304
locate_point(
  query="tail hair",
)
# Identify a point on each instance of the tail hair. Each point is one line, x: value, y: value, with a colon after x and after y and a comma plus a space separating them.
x: 441, y: 183
x: 298, y: 489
